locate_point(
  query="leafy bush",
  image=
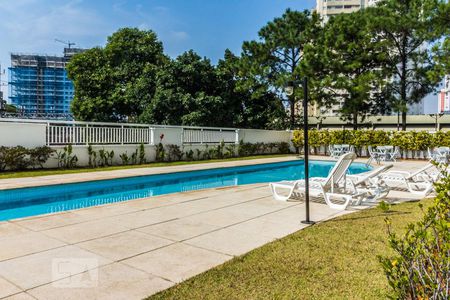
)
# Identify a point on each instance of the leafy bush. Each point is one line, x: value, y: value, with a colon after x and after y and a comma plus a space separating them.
x: 160, y: 151
x: 105, y: 157
x: 16, y: 158
x: 407, y: 140
x: 125, y: 158
x: 220, y: 150
x: 283, y: 148
x: 198, y: 153
x: 420, y: 268
x: 230, y: 151
x: 3, y: 155
x: 298, y: 139
x: 66, y: 159
x: 314, y: 139
x: 142, y: 159
x: 92, y: 163
x: 189, y: 155
x: 39, y: 155
x: 20, y: 158
x: 134, y: 157
x: 245, y: 149
x: 174, y: 152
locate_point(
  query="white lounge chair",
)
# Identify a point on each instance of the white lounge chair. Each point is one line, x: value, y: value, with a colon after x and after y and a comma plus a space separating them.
x: 326, y: 187
x: 366, y: 184
x: 417, y: 183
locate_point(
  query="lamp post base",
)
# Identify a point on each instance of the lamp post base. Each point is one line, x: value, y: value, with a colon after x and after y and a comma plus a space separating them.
x: 308, y: 222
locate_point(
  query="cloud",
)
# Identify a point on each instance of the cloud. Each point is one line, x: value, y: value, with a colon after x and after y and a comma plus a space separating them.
x: 179, y: 35
x: 30, y: 26
x: 33, y: 21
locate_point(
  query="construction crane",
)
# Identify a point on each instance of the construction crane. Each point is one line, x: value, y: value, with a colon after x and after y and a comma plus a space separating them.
x: 68, y: 43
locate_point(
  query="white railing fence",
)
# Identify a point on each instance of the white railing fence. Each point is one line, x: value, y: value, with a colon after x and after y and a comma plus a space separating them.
x: 60, y: 133
x: 85, y: 134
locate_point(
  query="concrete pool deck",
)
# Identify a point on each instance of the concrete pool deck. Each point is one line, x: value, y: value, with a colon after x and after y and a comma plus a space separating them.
x: 132, y: 249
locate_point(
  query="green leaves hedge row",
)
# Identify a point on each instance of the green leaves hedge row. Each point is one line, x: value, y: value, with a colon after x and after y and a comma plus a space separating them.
x: 406, y: 140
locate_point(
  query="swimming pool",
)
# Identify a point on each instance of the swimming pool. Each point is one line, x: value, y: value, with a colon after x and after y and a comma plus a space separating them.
x: 24, y: 202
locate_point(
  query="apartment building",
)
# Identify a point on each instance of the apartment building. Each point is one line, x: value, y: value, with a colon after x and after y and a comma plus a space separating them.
x: 444, y: 97
x: 329, y: 8
x: 38, y: 84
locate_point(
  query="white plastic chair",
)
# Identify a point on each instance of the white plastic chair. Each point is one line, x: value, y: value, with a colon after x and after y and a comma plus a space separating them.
x: 335, y: 151
x: 374, y: 155
x: 442, y: 154
x: 392, y: 156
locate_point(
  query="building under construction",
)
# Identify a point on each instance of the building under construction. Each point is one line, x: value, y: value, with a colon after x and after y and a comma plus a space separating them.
x: 38, y: 84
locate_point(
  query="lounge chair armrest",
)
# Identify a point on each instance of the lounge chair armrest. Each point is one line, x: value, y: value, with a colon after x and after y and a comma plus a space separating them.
x: 345, y: 197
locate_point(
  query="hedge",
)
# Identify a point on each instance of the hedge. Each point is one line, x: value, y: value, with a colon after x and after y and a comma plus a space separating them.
x: 407, y: 140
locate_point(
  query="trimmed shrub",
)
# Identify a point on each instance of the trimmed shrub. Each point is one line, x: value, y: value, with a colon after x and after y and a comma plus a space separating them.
x: 20, y: 158
x: 414, y: 141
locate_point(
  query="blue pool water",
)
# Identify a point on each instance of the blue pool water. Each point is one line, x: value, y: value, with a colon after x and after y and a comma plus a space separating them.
x: 24, y: 202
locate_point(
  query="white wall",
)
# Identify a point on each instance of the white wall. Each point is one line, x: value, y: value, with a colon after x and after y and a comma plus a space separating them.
x: 264, y: 136
x: 34, y: 135
x: 171, y: 136
x: 22, y: 134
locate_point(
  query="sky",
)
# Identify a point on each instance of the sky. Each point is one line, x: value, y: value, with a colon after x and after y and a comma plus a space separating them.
x: 206, y: 26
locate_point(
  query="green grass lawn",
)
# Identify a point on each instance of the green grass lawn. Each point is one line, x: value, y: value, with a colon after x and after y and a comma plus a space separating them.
x: 336, y: 259
x: 34, y: 173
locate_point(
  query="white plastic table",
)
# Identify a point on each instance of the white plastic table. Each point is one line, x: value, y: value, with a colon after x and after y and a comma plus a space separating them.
x: 339, y: 149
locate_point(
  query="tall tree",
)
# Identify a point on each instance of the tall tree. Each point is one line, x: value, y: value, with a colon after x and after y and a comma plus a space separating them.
x: 256, y: 105
x: 189, y: 92
x: 274, y: 59
x: 353, y: 68
x: 441, y: 50
x: 409, y: 27
x: 116, y: 82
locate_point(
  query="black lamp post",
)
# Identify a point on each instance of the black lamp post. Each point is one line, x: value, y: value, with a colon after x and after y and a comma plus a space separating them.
x: 290, y: 91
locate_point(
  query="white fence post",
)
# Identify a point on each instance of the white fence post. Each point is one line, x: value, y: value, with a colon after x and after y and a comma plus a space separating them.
x: 121, y: 135
x: 201, y: 136
x: 150, y: 136
x: 182, y: 136
x: 86, y: 134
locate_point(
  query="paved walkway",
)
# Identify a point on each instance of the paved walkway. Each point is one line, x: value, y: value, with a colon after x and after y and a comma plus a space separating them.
x: 132, y: 249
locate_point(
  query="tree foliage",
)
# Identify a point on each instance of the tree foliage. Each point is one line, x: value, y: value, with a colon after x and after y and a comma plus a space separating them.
x: 274, y: 60
x: 259, y: 106
x: 188, y: 93
x: 409, y: 27
x: 372, y: 62
x: 114, y: 83
x: 353, y: 69
x: 420, y: 268
x: 131, y: 79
